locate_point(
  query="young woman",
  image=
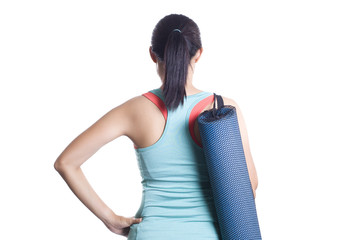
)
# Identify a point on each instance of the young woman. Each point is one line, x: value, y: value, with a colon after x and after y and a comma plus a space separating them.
x: 177, y: 201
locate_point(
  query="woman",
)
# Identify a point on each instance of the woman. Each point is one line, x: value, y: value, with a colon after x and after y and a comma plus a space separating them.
x: 177, y: 201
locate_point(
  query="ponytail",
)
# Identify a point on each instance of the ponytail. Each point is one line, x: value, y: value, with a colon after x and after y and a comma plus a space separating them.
x: 175, y: 40
x: 177, y: 61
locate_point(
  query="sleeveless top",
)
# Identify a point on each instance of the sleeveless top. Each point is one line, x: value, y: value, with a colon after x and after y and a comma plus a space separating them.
x: 177, y: 201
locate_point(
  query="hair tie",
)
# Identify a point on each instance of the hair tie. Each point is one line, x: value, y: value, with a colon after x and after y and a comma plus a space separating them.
x: 176, y: 30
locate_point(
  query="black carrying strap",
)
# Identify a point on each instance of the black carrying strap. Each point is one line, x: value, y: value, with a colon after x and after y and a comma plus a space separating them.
x: 220, y: 103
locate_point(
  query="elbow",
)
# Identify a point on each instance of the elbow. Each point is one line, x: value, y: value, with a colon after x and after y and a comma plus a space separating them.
x: 63, y: 164
x: 254, y: 185
x: 254, y: 190
x: 60, y: 165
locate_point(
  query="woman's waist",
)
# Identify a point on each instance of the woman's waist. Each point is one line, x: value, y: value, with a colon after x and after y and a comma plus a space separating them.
x: 180, y: 195
x: 159, y: 227
x: 195, y: 204
x: 169, y: 185
x: 178, y: 213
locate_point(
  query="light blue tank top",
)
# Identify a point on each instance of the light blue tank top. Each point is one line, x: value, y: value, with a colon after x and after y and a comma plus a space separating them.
x: 177, y: 201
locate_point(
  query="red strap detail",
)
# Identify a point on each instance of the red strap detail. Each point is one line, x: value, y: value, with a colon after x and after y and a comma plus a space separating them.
x: 158, y: 102
x: 195, y: 113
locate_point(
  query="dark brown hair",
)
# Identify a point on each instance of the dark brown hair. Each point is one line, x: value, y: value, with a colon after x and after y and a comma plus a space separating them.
x: 175, y: 40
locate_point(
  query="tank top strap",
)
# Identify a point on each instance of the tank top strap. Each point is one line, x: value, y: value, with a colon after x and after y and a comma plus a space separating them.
x: 193, y: 106
x: 158, y: 101
x: 195, y: 109
x: 156, y: 97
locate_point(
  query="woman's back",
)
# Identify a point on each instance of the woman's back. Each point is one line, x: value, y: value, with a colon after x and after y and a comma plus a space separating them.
x: 177, y: 199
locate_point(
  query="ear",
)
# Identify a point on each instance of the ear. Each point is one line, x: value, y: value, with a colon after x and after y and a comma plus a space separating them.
x: 198, y: 54
x: 152, y: 55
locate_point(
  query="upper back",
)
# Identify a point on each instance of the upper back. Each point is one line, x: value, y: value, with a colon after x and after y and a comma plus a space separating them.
x: 176, y: 155
x: 178, y: 127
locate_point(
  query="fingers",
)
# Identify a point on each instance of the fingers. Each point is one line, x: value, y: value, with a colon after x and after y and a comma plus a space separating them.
x: 137, y: 220
x: 133, y: 220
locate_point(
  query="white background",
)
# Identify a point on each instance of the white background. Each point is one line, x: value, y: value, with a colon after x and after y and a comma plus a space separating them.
x: 292, y: 67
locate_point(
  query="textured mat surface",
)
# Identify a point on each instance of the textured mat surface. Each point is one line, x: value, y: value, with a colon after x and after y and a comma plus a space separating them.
x: 229, y: 178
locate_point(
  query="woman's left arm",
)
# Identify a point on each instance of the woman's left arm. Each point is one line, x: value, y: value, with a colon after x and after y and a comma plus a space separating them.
x: 245, y: 142
x: 115, y: 123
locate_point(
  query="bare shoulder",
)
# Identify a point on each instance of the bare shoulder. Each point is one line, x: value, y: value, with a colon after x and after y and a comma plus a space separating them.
x: 114, y: 123
x: 133, y: 107
x: 230, y: 101
x: 142, y: 120
x: 133, y: 103
x: 120, y: 119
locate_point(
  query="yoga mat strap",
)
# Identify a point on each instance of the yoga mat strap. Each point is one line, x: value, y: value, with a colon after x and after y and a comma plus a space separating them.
x: 220, y: 103
x: 218, y: 111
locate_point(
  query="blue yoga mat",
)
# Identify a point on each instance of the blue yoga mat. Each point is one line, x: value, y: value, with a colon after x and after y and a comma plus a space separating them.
x: 229, y: 178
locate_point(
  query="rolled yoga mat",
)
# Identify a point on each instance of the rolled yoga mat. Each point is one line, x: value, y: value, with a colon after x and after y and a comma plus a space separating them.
x: 228, y: 173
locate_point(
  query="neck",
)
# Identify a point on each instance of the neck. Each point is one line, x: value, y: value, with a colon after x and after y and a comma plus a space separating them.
x: 189, y: 87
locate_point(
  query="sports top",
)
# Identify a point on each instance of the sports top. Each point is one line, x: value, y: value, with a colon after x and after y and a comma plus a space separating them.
x: 177, y: 201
